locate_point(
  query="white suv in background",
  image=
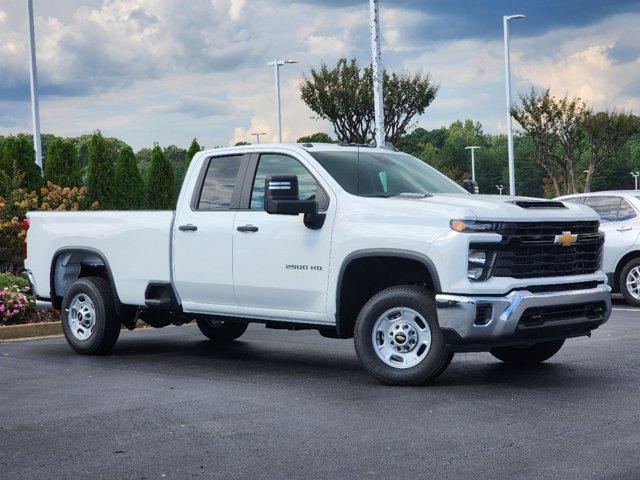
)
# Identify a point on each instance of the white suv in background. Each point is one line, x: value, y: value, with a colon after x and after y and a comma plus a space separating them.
x: 619, y: 212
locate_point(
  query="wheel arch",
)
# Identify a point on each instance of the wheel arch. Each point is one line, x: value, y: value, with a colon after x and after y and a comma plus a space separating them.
x: 80, y: 257
x: 620, y: 265
x: 420, y: 264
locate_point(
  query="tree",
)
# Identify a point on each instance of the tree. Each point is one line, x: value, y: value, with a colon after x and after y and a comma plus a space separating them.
x: 319, y: 137
x: 556, y: 126
x: 160, y: 185
x: 130, y: 188
x: 100, y: 173
x: 61, y: 165
x: 606, y: 133
x: 193, y: 149
x: 240, y: 144
x: 18, y: 161
x: 343, y: 95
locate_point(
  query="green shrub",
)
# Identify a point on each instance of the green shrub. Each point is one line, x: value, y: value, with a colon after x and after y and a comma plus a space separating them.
x: 100, y: 174
x: 61, y: 164
x: 8, y: 281
x: 130, y: 188
x: 160, y: 184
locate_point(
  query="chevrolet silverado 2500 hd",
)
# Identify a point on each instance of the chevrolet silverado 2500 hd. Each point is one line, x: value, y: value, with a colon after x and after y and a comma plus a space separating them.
x: 356, y: 242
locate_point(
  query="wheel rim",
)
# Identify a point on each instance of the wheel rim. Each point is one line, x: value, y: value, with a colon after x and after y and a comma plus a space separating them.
x: 633, y: 282
x: 81, y: 316
x: 401, y: 337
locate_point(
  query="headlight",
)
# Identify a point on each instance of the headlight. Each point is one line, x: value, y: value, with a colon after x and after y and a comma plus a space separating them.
x: 479, y: 264
x: 473, y: 226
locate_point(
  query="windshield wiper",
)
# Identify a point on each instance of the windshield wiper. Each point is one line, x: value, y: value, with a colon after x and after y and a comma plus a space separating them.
x: 395, y: 195
x: 411, y: 195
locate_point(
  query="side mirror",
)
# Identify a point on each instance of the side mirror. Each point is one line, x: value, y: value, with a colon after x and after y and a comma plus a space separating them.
x: 281, y: 197
x: 471, y: 186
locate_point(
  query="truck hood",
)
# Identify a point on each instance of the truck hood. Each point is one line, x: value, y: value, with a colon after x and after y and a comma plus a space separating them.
x: 506, y: 208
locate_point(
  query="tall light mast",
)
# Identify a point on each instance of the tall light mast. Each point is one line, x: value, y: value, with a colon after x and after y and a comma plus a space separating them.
x: 378, y: 99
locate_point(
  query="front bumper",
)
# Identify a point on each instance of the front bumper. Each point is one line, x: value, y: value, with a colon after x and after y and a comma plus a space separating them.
x: 500, y: 320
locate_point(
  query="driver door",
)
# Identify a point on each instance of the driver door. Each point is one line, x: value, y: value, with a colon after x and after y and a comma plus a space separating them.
x: 280, y: 266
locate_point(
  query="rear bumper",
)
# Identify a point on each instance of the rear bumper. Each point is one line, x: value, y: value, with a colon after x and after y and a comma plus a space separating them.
x: 498, y: 320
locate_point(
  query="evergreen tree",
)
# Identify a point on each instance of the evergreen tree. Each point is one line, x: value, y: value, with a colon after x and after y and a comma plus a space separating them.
x: 61, y: 164
x: 130, y: 188
x: 160, y: 185
x: 18, y: 161
x: 100, y: 174
x: 193, y: 149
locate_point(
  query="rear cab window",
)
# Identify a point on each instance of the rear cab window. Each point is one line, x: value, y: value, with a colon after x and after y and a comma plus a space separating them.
x: 219, y: 188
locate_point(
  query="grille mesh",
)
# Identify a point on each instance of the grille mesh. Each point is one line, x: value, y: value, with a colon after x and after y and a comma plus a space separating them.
x: 528, y: 250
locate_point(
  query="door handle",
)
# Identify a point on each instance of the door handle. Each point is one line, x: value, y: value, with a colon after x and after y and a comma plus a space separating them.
x: 187, y: 228
x: 247, y: 228
x: 626, y: 228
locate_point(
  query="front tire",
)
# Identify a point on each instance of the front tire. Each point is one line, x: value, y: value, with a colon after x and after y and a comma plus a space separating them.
x: 88, y: 315
x: 629, y: 282
x: 398, y: 339
x: 221, y: 331
x: 531, y: 355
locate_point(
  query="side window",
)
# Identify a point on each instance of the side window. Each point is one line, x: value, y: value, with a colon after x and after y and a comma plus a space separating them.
x: 626, y: 212
x: 219, y: 181
x: 574, y: 200
x: 275, y: 164
x: 606, y: 207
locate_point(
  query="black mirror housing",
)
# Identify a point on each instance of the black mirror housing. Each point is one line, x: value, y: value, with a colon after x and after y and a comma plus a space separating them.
x: 281, y: 197
x: 471, y: 186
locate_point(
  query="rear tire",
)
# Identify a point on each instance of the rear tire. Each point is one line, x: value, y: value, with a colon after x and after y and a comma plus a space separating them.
x: 531, y: 355
x: 221, y: 331
x: 398, y: 339
x: 88, y: 315
x: 630, y: 273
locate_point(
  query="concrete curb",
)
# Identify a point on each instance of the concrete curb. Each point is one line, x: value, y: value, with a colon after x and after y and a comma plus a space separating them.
x: 28, y: 330
x: 52, y: 329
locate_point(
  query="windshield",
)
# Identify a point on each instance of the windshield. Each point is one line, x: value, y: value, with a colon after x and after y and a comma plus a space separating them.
x: 384, y: 174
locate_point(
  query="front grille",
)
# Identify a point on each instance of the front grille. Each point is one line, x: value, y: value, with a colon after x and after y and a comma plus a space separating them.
x: 537, y: 316
x: 528, y: 250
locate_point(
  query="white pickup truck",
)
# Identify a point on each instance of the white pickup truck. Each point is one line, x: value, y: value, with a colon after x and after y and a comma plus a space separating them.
x: 356, y: 242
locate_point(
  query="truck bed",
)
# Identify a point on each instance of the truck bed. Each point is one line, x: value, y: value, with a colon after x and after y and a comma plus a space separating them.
x: 136, y: 245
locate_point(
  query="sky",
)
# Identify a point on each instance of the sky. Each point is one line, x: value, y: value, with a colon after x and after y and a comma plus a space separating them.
x: 167, y: 71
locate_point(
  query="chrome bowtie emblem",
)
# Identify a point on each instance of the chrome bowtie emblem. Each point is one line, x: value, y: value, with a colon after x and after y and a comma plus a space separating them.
x: 566, y: 239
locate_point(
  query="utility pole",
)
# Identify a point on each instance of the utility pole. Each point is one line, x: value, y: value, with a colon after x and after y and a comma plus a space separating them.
x: 635, y: 179
x: 35, y: 109
x: 277, y: 63
x: 258, y: 135
x: 507, y: 74
x: 473, y: 161
x: 378, y: 98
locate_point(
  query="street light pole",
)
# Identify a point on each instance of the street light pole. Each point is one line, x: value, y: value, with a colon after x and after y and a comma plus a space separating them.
x: 507, y: 74
x: 35, y: 109
x: 473, y: 161
x: 378, y: 98
x: 500, y: 187
x: 635, y: 179
x: 277, y: 63
x: 258, y: 135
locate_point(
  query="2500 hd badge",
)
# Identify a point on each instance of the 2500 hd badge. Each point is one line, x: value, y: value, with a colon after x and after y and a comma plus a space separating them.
x: 303, y: 267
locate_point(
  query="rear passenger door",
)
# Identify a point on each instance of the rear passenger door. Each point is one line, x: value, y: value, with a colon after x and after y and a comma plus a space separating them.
x: 618, y: 222
x: 203, y: 236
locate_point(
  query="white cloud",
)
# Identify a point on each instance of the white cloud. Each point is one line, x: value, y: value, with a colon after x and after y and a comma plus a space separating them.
x: 235, y: 9
x: 327, y: 45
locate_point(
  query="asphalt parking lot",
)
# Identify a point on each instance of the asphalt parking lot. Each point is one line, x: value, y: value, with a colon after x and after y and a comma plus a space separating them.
x: 279, y: 404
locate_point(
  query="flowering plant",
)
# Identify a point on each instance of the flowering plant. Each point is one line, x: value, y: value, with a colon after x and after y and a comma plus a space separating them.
x: 15, y: 306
